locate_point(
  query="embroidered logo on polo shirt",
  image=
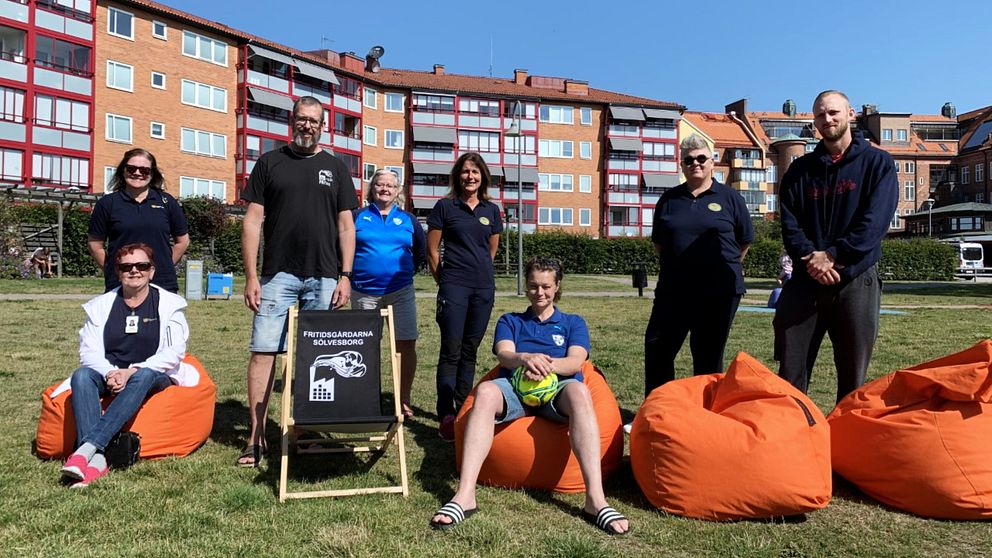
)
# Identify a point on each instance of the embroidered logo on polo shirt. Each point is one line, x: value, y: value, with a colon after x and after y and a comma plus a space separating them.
x: 558, y: 339
x: 714, y: 207
x: 153, y: 206
x: 325, y: 177
x: 397, y: 221
x: 484, y: 220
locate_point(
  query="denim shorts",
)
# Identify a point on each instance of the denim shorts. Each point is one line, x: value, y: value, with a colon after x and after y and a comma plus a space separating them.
x: 279, y: 292
x: 515, y: 408
x: 404, y: 303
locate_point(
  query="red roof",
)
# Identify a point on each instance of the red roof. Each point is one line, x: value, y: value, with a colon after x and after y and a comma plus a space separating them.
x: 719, y: 126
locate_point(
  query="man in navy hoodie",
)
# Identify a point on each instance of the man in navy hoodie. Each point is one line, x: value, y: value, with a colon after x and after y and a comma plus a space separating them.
x: 835, y: 204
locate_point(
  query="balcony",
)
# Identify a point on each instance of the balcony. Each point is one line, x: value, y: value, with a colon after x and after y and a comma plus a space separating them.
x: 56, y: 17
x: 62, y: 78
x: 422, y: 115
x: 16, y: 10
x: 65, y: 139
x: 747, y: 163
x: 263, y: 123
x: 268, y: 81
x: 480, y: 120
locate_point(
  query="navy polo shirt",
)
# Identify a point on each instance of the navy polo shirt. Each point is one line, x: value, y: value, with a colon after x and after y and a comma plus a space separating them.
x: 466, y: 232
x: 551, y: 337
x: 120, y: 220
x: 701, y: 239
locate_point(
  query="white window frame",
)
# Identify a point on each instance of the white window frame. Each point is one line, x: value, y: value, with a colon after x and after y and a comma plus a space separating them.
x: 902, y: 134
x: 887, y: 134
x: 909, y: 190
x: 910, y: 167
x: 153, y: 74
x: 369, y: 93
x: 196, y: 93
x: 544, y: 215
x: 109, y: 128
x: 369, y: 132
x: 187, y: 34
x: 366, y: 167
x: 545, y: 149
x: 398, y: 171
x: 557, y: 114
x: 111, y: 19
x: 585, y: 217
x: 585, y: 150
x: 165, y: 30
x: 108, y: 177
x: 979, y: 172
x: 196, y: 148
x: 545, y: 181
x: 386, y: 134
x: 587, y: 188
x: 585, y: 116
x: 197, y: 181
x: 393, y: 95
x: 151, y: 130
x: 113, y: 67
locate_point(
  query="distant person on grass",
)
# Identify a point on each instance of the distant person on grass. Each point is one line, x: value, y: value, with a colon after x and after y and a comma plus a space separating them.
x: 543, y: 340
x: 835, y: 204
x: 40, y: 262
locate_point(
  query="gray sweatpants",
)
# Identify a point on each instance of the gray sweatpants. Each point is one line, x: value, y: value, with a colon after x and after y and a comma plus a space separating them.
x: 848, y: 313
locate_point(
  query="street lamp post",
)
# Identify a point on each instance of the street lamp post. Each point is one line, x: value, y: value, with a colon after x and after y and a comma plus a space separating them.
x: 930, y: 201
x: 515, y: 132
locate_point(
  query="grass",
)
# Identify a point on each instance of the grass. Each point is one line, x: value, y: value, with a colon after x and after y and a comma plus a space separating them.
x: 203, y: 506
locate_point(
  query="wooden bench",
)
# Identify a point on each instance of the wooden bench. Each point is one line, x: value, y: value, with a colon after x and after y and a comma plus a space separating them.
x: 36, y: 235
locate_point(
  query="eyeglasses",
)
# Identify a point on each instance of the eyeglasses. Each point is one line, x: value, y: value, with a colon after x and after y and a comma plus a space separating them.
x: 688, y: 160
x: 307, y: 120
x: 135, y: 169
x: 125, y: 267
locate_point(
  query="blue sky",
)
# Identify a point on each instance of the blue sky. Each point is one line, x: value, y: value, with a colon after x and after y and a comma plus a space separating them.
x: 903, y: 56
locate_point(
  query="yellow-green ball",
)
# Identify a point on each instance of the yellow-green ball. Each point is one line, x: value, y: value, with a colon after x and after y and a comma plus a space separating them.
x: 534, y: 393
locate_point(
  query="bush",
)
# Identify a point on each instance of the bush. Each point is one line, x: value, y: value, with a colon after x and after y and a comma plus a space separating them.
x: 207, y: 219
x: 76, y: 259
x: 227, y: 247
x: 917, y: 259
x: 762, y: 258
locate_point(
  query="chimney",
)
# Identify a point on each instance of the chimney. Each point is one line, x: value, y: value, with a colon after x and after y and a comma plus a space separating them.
x: 352, y: 62
x: 868, y: 110
x: 520, y: 76
x: 576, y: 87
x: 439, y: 69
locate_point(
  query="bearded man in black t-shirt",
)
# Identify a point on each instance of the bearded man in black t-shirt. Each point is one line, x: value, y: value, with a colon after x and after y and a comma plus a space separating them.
x: 304, y: 195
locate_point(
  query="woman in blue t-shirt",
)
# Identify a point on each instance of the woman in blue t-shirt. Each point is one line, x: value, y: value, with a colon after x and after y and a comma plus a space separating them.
x: 542, y: 340
x: 469, y: 224
x: 389, y: 248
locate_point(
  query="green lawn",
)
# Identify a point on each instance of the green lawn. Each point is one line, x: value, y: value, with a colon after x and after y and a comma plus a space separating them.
x: 203, y: 506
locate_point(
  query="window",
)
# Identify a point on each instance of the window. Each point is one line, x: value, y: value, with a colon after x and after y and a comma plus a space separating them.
x: 61, y: 113
x: 157, y: 130
x: 720, y: 176
x: 771, y: 174
x: 887, y: 134
x: 108, y: 177
x: 393, y: 139
x: 910, y: 167
x: 11, y: 104
x: 517, y: 145
x: 118, y: 128
x: 585, y: 118
x: 398, y: 171
x: 370, y: 98
x: 979, y: 172
x: 120, y: 23
x: 394, y: 102
x: 158, y: 80
x: 980, y: 197
x: 369, y: 135
x: 716, y: 156
x: 60, y: 55
x: 965, y: 172
x: 555, y: 182
x: 204, y: 96
x: 585, y: 217
x: 60, y: 169
x: 623, y: 182
x: 585, y: 184
x: 159, y: 30
x: 553, y: 114
x: 190, y: 186
x: 895, y: 222
x: 483, y: 142
x: 554, y: 216
x: 368, y: 169
x: 585, y: 150
x: 771, y: 202
x: 11, y: 164
x: 902, y: 135
x: 119, y: 76
x: 660, y: 151
x: 481, y: 108
x: 433, y: 103
x: 555, y: 148
x: 909, y: 190
x: 204, y: 48
x: 203, y: 143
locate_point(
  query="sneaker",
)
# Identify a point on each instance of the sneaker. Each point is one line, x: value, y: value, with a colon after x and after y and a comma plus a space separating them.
x: 92, y: 473
x: 447, y: 429
x: 75, y: 467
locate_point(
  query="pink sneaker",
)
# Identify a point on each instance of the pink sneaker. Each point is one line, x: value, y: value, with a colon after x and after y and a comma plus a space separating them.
x: 75, y: 467
x: 92, y: 473
x: 447, y: 429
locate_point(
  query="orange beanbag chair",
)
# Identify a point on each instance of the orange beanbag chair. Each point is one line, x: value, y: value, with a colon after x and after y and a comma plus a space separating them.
x: 533, y: 452
x: 174, y: 421
x: 920, y: 439
x: 740, y: 445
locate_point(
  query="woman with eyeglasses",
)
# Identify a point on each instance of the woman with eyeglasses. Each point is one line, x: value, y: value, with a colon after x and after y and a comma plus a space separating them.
x: 131, y: 346
x: 137, y: 209
x: 389, y: 248
x: 701, y: 232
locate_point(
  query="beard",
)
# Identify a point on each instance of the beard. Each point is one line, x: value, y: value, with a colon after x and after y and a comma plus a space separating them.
x: 303, y: 143
x: 834, y: 134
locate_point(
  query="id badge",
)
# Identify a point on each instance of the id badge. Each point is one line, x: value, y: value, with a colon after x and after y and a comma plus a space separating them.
x: 131, y: 324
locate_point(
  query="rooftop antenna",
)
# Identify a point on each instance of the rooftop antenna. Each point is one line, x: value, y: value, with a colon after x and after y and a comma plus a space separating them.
x: 490, y: 55
x: 325, y: 39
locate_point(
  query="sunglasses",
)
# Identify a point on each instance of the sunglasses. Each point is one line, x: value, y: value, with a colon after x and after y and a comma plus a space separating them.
x: 688, y: 160
x: 124, y: 267
x: 135, y: 169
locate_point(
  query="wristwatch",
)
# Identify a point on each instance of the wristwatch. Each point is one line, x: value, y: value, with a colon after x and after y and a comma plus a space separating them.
x: 346, y: 274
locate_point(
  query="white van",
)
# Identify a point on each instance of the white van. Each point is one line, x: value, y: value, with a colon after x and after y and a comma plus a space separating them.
x: 970, y: 255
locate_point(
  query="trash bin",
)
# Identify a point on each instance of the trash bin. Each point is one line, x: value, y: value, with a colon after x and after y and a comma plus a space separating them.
x: 639, y: 277
x: 220, y: 285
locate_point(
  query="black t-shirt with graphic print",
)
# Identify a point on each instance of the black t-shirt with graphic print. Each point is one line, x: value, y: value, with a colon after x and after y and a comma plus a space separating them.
x: 302, y: 197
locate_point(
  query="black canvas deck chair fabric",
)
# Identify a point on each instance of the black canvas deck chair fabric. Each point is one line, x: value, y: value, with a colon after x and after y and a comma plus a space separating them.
x: 332, y: 386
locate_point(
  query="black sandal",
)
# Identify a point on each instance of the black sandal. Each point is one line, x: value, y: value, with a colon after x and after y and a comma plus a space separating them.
x: 253, y: 451
x: 454, y: 512
x: 604, y: 517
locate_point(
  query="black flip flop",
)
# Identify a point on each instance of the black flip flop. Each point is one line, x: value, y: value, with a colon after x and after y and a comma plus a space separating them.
x: 604, y: 517
x: 454, y: 512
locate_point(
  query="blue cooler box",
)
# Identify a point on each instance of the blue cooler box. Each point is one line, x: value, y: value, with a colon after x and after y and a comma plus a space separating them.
x: 220, y: 284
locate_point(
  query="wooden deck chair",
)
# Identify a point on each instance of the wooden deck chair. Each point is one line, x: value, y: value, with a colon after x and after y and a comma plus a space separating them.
x: 334, y: 357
